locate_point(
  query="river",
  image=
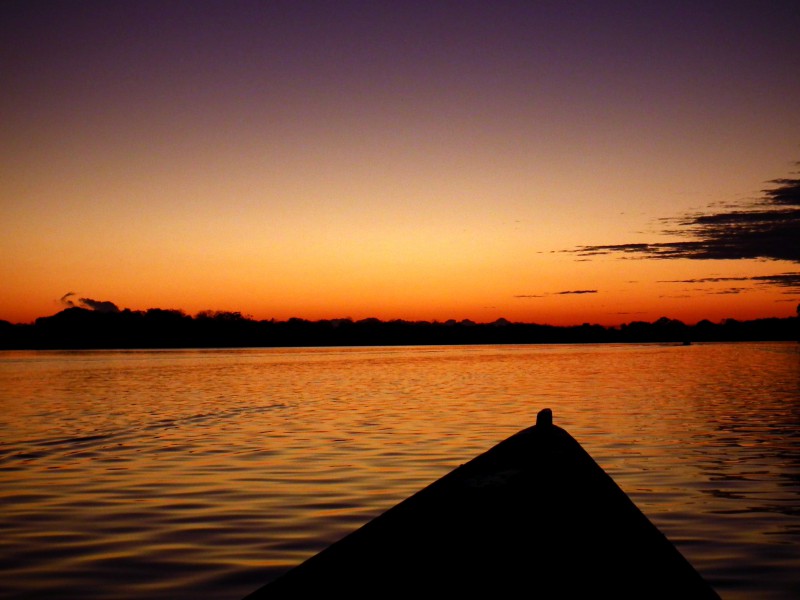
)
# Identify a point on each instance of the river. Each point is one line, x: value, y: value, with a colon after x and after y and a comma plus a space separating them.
x: 184, y: 473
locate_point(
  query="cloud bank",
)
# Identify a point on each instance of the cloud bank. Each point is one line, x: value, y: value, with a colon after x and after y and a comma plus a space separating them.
x: 769, y: 228
x: 105, y: 306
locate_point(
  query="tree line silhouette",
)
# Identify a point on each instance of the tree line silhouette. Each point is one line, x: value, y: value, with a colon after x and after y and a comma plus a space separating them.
x: 83, y: 328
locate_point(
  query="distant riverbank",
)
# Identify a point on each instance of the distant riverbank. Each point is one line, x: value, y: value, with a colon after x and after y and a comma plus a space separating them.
x: 80, y: 328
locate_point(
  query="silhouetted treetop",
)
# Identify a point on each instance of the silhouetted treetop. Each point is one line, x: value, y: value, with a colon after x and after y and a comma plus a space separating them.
x: 79, y: 327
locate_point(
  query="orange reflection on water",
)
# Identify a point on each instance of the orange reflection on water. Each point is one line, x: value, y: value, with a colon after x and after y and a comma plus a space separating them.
x: 193, y: 466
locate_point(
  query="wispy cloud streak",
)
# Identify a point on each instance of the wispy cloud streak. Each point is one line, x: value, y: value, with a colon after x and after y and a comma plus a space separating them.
x: 578, y: 292
x: 787, y: 280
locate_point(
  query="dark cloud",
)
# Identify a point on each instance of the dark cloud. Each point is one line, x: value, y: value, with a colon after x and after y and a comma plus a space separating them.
x: 556, y: 294
x: 99, y: 305
x: 88, y: 303
x: 768, y: 228
x: 788, y: 280
x: 730, y: 291
x: 65, y: 299
x: 787, y: 193
x: 706, y: 280
x: 791, y: 281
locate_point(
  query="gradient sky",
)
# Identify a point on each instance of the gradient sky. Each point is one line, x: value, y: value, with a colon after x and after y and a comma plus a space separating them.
x: 415, y: 160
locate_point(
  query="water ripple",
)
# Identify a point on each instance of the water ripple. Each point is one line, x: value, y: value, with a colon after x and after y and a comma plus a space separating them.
x: 172, y: 474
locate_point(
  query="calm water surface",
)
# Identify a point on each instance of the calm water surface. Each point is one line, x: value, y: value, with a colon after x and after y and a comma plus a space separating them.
x: 168, y: 474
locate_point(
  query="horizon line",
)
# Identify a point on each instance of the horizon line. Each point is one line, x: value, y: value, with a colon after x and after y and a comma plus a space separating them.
x: 213, y: 313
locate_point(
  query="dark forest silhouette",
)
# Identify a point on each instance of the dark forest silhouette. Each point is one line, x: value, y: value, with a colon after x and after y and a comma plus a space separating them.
x: 84, y: 328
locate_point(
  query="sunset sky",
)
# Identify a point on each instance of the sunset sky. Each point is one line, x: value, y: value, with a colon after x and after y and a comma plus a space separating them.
x: 410, y: 159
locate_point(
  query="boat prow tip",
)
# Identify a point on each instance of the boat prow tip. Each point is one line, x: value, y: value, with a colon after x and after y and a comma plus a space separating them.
x: 544, y: 418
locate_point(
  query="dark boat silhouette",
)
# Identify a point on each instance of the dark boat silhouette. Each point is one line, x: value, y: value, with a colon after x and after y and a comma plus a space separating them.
x: 534, y: 517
